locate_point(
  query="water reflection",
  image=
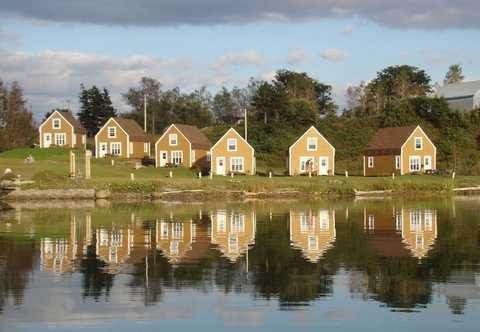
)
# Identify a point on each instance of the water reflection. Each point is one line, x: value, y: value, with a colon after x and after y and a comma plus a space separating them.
x: 404, y: 255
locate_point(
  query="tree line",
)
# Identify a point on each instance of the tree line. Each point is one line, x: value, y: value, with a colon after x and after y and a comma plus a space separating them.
x: 279, y: 111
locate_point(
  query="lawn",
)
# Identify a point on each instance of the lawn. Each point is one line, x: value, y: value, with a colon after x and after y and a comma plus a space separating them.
x: 123, y: 170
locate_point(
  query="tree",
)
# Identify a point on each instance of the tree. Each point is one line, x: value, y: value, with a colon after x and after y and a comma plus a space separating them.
x: 17, y: 126
x: 454, y: 74
x: 149, y: 89
x: 396, y: 83
x: 47, y: 114
x: 95, y: 109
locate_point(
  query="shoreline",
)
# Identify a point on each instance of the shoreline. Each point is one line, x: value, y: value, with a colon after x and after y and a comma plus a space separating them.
x: 17, y: 194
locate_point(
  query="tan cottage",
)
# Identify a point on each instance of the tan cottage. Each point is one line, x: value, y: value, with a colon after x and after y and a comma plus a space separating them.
x: 123, y: 138
x: 311, y: 153
x: 182, y: 145
x: 62, y: 129
x: 399, y: 151
x: 232, y: 154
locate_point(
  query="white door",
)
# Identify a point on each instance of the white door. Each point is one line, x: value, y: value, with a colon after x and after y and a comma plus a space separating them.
x: 47, y: 140
x: 427, y: 162
x: 221, y: 165
x: 103, y: 150
x: 323, y: 166
x: 163, y: 158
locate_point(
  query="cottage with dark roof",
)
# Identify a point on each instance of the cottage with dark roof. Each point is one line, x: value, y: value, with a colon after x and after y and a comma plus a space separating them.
x: 399, y: 150
x: 463, y: 95
x: 182, y: 145
x: 62, y: 129
x: 122, y: 138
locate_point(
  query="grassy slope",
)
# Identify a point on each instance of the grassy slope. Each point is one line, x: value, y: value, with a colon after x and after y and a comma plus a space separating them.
x: 102, y: 171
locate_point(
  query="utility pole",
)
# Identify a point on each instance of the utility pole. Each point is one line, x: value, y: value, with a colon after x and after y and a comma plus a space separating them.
x: 68, y: 105
x: 245, y: 122
x: 145, y: 112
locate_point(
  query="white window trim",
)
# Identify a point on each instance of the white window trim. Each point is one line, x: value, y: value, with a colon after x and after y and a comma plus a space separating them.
x: 64, y: 139
x: 304, y: 159
x: 415, y: 143
x: 111, y: 147
x: 59, y: 123
x: 114, y: 132
x: 180, y: 152
x: 234, y: 142
x: 131, y: 147
x: 397, y: 162
x: 410, y: 163
x: 308, y: 143
x: 370, y: 162
x: 171, y: 138
x: 241, y: 159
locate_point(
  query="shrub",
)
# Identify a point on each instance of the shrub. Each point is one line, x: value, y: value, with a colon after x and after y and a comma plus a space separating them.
x: 48, y: 177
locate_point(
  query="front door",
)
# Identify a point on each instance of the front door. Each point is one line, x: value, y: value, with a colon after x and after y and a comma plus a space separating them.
x: 163, y: 158
x: 103, y: 150
x: 221, y: 165
x: 323, y: 166
x: 47, y: 140
x: 427, y: 163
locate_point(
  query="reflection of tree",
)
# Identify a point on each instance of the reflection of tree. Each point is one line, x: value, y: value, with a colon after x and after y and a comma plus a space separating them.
x: 456, y: 304
x: 95, y: 280
x: 16, y: 269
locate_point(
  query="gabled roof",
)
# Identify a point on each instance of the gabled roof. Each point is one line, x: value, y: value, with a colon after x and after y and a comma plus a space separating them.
x: 77, y: 127
x: 459, y: 90
x: 236, y: 134
x: 305, y: 133
x: 388, y: 141
x: 195, y: 136
x: 133, y: 129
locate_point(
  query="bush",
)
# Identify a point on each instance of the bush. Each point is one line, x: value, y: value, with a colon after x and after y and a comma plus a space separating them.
x: 48, y: 177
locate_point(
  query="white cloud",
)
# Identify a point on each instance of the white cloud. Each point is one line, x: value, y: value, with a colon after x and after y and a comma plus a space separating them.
x: 334, y: 54
x: 249, y: 57
x: 297, y: 56
x: 348, y: 30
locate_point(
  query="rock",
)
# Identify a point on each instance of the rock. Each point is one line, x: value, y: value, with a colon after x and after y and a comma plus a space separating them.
x: 101, y: 194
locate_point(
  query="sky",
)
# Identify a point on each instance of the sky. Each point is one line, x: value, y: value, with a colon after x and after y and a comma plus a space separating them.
x: 51, y: 47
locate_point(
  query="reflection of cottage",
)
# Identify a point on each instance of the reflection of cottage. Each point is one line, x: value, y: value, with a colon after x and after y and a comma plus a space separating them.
x: 57, y: 255
x: 399, y: 150
x: 419, y: 230
x: 313, y: 232
x: 233, y: 232
x: 113, y: 247
x: 384, y: 232
x: 312, y: 153
x: 174, y: 238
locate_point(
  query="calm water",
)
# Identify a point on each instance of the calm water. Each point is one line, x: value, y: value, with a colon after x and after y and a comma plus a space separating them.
x: 346, y: 265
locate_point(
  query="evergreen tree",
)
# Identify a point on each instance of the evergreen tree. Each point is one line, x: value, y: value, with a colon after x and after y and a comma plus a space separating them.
x: 95, y: 109
x: 454, y: 74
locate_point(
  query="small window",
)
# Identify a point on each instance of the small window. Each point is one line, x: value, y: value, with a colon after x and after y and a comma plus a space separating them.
x: 312, y: 144
x: 131, y: 147
x: 173, y: 139
x: 112, y: 133
x: 145, y: 147
x: 418, y: 143
x: 397, y: 162
x: 232, y: 144
x: 56, y: 123
x: 116, y: 149
x: 370, y: 162
x: 208, y: 156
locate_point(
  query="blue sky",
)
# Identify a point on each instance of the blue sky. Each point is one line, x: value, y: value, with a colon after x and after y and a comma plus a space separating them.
x: 51, y: 47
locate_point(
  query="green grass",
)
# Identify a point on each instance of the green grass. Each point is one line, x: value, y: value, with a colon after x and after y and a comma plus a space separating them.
x: 118, y: 177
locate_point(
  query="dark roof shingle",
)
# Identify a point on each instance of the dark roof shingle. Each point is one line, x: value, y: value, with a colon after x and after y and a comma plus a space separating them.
x: 195, y: 136
x: 77, y: 127
x: 388, y: 141
x: 133, y: 129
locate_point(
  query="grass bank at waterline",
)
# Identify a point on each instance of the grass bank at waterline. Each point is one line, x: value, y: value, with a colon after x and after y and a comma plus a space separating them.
x: 50, y: 173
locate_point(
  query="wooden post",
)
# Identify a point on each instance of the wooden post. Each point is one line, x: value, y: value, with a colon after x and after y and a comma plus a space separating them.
x: 131, y: 176
x: 199, y: 175
x: 270, y: 175
x: 346, y: 174
x: 171, y: 174
x: 393, y: 175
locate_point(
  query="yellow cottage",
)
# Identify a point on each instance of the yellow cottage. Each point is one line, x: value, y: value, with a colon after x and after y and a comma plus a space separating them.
x: 232, y: 154
x: 62, y: 129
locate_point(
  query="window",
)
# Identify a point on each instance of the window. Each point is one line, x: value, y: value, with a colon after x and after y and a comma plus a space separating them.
x: 177, y: 157
x: 131, y: 147
x: 370, y: 162
x: 56, y: 123
x: 305, y: 162
x: 418, y: 143
x: 172, y: 139
x: 83, y: 139
x: 414, y: 164
x: 208, y: 156
x: 232, y: 144
x: 60, y: 139
x: 112, y: 132
x: 145, y: 147
x: 116, y: 149
x: 236, y: 164
x: 397, y: 162
x: 312, y: 144
x: 74, y: 139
